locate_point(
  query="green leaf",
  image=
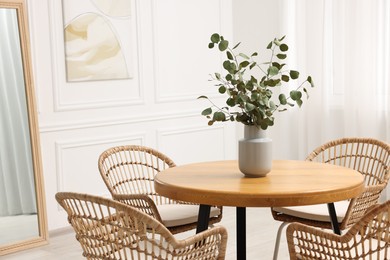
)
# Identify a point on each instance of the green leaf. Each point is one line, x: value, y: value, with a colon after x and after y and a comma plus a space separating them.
x: 285, y: 78
x: 236, y: 45
x: 211, y: 45
x: 295, y: 95
x: 226, y: 65
x: 252, y: 65
x: 281, y: 39
x: 283, y: 47
x: 228, y: 77
x: 294, y: 74
x: 281, y: 56
x: 310, y: 81
x: 249, y: 107
x: 229, y: 55
x: 244, y: 64
x: 223, y: 45
x: 219, y: 116
x: 272, y: 71
x: 215, y: 38
x: 254, y: 54
x: 244, y: 56
x: 230, y: 102
x: 269, y: 46
x: 307, y: 94
x: 222, y: 89
x: 202, y: 97
x: 207, y: 111
x: 299, y: 102
x: 217, y: 76
x: 276, y: 64
x: 282, y: 99
x: 210, y: 123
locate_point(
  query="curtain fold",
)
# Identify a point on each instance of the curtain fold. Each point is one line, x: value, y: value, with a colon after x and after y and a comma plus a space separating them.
x: 345, y: 46
x: 17, y: 192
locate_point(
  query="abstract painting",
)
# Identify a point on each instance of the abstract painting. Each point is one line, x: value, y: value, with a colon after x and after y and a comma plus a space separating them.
x: 93, y: 47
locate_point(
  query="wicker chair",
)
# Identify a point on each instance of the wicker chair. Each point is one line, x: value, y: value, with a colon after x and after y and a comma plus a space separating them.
x: 369, y: 238
x: 368, y: 156
x: 109, y: 229
x: 128, y: 172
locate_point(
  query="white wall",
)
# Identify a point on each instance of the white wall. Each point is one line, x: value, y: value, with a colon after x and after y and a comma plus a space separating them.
x: 156, y: 108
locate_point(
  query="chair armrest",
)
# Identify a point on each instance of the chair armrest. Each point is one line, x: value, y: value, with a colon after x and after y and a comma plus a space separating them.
x: 208, y: 243
x: 140, y: 201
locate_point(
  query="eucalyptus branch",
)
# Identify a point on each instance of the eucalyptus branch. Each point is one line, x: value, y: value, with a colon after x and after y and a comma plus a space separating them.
x: 252, y: 97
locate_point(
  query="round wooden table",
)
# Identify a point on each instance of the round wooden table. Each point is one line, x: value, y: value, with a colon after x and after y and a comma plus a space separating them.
x: 290, y: 183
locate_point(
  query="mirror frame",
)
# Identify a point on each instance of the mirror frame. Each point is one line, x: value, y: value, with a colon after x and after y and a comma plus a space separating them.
x: 42, y: 239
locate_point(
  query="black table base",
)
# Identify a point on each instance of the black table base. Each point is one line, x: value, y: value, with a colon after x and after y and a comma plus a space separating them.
x: 203, y: 222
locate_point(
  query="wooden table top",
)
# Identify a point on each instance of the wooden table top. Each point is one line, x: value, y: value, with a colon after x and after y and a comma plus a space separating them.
x: 290, y: 183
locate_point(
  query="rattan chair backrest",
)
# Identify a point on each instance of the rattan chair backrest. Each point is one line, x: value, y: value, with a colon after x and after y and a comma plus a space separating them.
x: 368, y: 156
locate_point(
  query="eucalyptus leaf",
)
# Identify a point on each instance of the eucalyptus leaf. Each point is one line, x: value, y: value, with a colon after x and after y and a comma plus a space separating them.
x: 236, y: 45
x: 230, y: 102
x: 244, y: 56
x: 295, y: 95
x: 223, y: 45
x: 229, y: 55
x: 222, y: 89
x: 211, y: 45
x: 269, y: 46
x: 252, y: 65
x: 282, y: 99
x: 283, y: 47
x: 294, y: 74
x: 207, y: 111
x: 219, y: 116
x: 249, y: 107
x: 215, y: 38
x: 272, y: 71
x: 281, y: 56
x: 285, y: 78
x: 244, y: 64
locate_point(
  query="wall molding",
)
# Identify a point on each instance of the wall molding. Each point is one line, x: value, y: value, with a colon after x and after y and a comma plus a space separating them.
x: 58, y: 67
x: 83, y: 124
x: 61, y: 146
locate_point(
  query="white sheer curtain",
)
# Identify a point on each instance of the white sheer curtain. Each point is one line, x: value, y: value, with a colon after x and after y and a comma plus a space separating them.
x: 17, y: 193
x: 344, y: 45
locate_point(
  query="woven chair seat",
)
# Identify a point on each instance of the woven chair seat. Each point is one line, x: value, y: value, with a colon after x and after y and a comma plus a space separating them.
x: 315, y: 212
x: 369, y: 238
x: 173, y: 215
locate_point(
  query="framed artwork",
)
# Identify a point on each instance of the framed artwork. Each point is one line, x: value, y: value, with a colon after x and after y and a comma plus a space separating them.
x: 95, y: 53
x: 95, y: 39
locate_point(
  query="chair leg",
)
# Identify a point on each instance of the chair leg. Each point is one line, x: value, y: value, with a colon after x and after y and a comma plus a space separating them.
x: 277, y: 242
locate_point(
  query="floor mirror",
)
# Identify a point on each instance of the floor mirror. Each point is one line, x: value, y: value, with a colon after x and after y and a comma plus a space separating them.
x: 23, y: 222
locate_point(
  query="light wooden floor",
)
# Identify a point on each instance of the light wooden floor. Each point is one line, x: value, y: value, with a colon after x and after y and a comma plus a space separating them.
x: 261, y: 232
